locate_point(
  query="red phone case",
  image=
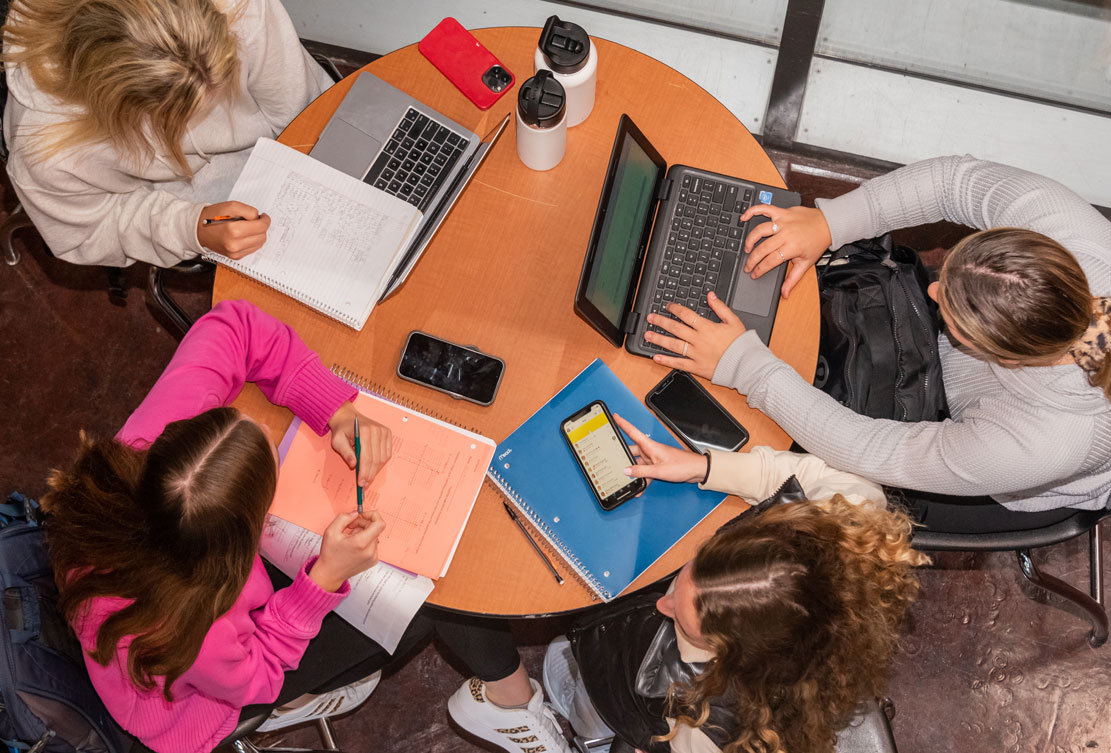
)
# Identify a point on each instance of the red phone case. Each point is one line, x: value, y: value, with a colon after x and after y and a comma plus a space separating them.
x: 464, y: 61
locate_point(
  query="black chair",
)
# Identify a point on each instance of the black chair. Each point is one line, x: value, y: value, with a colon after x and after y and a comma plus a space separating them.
x: 1014, y: 535
x: 239, y: 740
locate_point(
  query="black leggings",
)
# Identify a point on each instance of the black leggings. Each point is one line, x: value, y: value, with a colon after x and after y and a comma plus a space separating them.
x: 340, y: 655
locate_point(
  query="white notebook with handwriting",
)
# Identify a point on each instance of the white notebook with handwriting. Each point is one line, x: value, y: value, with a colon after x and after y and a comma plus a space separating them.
x: 333, y: 240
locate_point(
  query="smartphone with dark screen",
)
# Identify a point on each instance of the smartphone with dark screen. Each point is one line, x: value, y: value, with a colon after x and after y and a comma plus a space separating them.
x: 458, y: 370
x: 466, y: 63
x: 694, y: 415
x: 602, y: 454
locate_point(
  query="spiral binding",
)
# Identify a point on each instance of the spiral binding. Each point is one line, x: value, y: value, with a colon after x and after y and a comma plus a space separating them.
x: 296, y: 295
x: 550, y: 536
x: 368, y: 385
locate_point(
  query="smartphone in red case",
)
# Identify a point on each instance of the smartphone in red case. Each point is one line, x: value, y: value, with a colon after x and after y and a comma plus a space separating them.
x: 471, y: 67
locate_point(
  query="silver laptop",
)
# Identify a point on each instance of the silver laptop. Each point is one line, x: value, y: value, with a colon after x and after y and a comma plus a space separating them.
x: 399, y: 145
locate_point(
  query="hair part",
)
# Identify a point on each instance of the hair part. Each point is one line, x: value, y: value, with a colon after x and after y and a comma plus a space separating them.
x: 173, y: 529
x: 801, y: 606
x: 1016, y: 295
x: 138, y: 70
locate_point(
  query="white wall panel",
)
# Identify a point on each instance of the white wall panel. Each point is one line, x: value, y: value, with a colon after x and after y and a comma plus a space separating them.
x: 739, y: 75
x: 902, y: 119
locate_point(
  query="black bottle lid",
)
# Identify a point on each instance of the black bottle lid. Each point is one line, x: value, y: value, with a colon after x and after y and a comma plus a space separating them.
x: 565, y: 45
x: 541, y: 100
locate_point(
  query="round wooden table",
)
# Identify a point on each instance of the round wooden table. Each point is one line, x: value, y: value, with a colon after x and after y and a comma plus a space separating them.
x: 501, y: 275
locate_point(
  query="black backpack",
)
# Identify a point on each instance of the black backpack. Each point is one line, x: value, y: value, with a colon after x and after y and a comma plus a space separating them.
x: 48, y: 702
x: 878, y: 349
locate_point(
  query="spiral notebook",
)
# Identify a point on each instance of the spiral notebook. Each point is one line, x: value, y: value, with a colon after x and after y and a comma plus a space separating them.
x: 425, y: 492
x: 535, y: 469
x: 334, y: 242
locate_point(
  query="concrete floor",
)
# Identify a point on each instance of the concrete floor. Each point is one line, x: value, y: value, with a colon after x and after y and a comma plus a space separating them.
x: 983, y: 667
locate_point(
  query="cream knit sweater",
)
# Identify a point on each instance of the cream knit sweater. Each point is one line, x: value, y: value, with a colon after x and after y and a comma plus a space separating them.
x: 1034, y: 438
x: 92, y: 207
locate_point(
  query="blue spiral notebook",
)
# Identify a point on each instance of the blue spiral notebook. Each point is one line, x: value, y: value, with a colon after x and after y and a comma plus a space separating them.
x: 536, y: 470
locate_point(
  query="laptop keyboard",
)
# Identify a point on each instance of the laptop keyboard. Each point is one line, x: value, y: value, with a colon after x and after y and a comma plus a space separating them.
x: 416, y: 159
x: 705, y: 242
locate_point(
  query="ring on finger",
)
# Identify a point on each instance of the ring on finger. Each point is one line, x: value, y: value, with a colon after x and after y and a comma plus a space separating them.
x: 685, y: 349
x: 775, y: 228
x: 781, y: 256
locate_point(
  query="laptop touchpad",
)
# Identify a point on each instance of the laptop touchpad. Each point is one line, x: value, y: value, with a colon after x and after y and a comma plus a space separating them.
x: 753, y: 296
x: 348, y: 149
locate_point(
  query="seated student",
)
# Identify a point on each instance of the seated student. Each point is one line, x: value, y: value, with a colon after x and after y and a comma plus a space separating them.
x: 154, y: 537
x: 129, y: 120
x: 1025, y: 362
x: 766, y: 641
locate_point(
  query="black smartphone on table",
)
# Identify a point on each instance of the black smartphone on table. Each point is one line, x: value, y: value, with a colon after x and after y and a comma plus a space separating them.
x: 602, y: 454
x: 694, y: 415
x: 459, y: 370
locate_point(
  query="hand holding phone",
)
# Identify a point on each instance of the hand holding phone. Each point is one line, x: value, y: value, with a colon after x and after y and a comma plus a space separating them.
x: 471, y: 67
x: 656, y: 460
x: 602, y: 454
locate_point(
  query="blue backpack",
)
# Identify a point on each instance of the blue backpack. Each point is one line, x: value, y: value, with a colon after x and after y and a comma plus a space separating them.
x: 48, y: 702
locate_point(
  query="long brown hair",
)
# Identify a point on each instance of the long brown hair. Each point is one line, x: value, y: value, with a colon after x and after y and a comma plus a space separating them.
x: 801, y: 606
x: 173, y: 529
x: 137, y: 70
x: 1019, y: 296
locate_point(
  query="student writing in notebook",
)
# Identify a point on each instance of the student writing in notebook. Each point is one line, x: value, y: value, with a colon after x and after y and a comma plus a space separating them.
x: 1026, y: 303
x: 129, y: 120
x: 154, y: 537
x: 770, y: 636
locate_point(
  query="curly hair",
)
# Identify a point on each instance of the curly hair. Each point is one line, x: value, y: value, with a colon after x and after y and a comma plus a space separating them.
x: 172, y: 529
x: 801, y: 606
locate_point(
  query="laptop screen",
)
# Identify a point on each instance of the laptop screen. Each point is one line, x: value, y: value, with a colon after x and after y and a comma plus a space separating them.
x: 620, y: 230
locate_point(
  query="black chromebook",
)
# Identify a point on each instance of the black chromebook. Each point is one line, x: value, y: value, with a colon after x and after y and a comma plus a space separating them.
x: 668, y: 237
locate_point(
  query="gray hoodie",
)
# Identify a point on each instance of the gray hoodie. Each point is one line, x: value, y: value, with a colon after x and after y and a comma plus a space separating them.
x: 1033, y: 438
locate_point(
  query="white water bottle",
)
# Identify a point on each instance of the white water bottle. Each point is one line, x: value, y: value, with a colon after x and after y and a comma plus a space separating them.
x: 541, y: 122
x: 566, y: 50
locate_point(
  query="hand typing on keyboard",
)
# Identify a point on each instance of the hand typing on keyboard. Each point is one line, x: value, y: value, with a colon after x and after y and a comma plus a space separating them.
x: 698, y: 342
x: 798, y: 235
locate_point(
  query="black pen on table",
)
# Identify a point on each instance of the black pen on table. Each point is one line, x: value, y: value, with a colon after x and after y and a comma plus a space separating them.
x: 222, y: 219
x: 539, y: 551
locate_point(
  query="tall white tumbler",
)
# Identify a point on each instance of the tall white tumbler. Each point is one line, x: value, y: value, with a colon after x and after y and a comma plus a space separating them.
x: 566, y: 50
x: 541, y: 122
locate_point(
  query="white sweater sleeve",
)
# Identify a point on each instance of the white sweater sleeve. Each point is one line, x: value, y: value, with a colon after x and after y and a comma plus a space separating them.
x: 757, y: 474
x: 85, y: 222
x: 281, y: 75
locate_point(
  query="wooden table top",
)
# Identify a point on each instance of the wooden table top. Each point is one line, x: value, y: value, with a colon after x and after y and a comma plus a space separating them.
x: 501, y: 275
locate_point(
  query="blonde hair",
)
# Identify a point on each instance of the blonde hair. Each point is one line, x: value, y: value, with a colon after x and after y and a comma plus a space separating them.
x: 137, y: 70
x: 802, y: 606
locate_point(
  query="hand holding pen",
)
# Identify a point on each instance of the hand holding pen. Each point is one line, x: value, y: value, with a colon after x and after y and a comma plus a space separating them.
x: 366, y: 448
x: 232, y: 229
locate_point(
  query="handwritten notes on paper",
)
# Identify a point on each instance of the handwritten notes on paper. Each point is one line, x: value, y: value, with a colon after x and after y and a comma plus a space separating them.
x: 333, y: 240
x: 383, y: 599
x: 425, y: 492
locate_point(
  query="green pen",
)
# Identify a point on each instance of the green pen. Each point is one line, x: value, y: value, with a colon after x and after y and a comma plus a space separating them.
x: 358, y: 447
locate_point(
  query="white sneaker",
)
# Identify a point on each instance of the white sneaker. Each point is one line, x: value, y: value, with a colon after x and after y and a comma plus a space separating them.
x: 559, y: 680
x: 333, y: 703
x: 529, y: 730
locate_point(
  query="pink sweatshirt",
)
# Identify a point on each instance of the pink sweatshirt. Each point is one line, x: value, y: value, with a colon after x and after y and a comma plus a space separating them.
x: 247, y: 651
